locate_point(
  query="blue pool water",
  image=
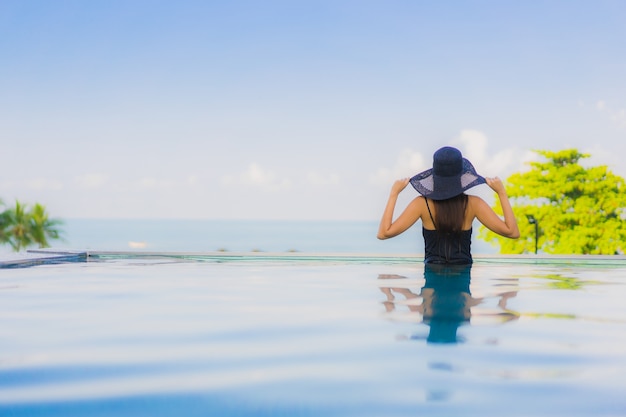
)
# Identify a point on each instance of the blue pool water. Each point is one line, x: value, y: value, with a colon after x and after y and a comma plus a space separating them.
x: 169, y: 336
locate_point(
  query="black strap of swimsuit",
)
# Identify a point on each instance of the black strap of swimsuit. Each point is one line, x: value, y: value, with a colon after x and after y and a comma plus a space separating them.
x: 431, y: 215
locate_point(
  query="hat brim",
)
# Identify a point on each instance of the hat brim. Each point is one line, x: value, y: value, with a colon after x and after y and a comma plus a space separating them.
x: 441, y: 188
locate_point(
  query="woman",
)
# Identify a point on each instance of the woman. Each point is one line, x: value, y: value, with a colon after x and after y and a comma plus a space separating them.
x: 446, y: 211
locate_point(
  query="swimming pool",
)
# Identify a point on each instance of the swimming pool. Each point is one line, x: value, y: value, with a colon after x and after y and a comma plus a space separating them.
x: 292, y: 335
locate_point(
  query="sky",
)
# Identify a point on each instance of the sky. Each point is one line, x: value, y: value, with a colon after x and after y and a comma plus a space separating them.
x: 295, y: 110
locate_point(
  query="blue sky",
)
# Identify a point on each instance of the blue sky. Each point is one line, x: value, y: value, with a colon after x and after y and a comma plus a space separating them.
x: 293, y: 110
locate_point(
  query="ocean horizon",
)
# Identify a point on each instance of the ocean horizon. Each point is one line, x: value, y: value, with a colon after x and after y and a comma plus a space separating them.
x: 180, y: 235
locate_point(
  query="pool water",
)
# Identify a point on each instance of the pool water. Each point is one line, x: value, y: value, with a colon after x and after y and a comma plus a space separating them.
x: 178, y: 337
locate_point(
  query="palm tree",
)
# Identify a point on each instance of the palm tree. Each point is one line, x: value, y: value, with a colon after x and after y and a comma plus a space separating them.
x: 42, y: 227
x: 20, y: 227
x: 4, y: 224
x: 17, y: 227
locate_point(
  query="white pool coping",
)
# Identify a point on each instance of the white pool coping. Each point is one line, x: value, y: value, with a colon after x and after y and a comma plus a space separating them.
x: 51, y: 256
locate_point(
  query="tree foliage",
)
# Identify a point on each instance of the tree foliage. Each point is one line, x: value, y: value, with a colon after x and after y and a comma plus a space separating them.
x: 578, y: 210
x: 22, y: 226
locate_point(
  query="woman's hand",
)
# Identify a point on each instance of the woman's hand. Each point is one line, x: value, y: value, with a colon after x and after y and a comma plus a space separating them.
x: 495, y: 183
x: 399, y: 185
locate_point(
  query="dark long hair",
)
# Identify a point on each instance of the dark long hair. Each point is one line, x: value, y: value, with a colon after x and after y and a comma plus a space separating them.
x: 451, y: 214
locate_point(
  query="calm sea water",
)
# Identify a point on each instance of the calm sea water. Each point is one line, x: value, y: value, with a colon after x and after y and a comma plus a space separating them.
x: 242, y: 236
x: 174, y: 337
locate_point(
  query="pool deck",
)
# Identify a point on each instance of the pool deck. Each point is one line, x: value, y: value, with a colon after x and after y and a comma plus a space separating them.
x: 52, y: 256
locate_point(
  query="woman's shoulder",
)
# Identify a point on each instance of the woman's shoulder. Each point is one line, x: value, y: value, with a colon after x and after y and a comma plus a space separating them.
x: 474, y: 199
x: 478, y: 206
x: 418, y: 205
x: 475, y: 203
x: 418, y: 200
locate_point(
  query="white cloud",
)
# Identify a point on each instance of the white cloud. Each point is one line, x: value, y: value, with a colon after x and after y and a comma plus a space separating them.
x: 616, y: 115
x: 475, y: 146
x: 599, y: 155
x: 257, y: 176
x: 321, y: 180
x: 41, y: 184
x: 7, y: 185
x: 525, y: 159
x: 146, y: 182
x: 153, y: 183
x: 192, y: 180
x: 620, y: 117
x: 93, y: 180
x: 407, y: 164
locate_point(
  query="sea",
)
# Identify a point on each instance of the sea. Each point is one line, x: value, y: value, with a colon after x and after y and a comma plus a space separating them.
x: 171, y: 235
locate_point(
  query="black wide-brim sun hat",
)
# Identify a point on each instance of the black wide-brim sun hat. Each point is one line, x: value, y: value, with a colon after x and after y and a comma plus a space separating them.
x: 450, y: 176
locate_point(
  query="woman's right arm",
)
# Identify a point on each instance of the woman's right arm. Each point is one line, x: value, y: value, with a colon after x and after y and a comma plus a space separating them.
x: 389, y: 228
x: 486, y: 215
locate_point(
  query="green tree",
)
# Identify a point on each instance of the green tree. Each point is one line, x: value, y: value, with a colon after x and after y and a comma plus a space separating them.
x: 4, y: 224
x: 578, y: 210
x: 18, y: 230
x: 42, y: 227
x: 21, y: 227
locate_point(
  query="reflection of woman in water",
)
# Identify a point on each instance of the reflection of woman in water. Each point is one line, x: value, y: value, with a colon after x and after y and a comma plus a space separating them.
x: 446, y: 211
x: 446, y: 301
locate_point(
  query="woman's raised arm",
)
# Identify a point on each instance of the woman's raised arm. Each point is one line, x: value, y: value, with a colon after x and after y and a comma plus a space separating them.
x: 484, y: 213
x: 388, y: 228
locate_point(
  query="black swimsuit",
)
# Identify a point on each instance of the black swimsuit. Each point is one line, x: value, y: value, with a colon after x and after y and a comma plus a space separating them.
x: 446, y: 248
